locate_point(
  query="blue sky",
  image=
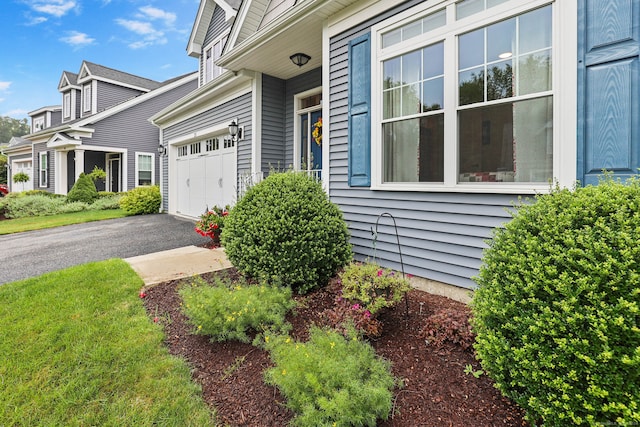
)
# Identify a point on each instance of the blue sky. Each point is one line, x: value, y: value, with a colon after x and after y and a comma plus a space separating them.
x: 39, y: 39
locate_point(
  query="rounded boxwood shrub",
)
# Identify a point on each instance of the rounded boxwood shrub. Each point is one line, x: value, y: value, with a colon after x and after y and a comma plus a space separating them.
x: 286, y: 231
x: 141, y: 200
x: 557, y: 311
x: 84, y: 190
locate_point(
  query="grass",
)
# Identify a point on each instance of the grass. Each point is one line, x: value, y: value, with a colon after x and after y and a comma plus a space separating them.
x: 77, y: 348
x: 18, y: 225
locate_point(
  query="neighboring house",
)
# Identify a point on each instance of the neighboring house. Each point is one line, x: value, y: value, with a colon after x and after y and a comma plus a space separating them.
x: 103, y: 122
x: 19, y: 160
x: 441, y: 113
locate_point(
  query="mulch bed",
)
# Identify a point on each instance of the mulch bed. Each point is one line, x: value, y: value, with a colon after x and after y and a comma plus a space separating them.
x: 436, y: 390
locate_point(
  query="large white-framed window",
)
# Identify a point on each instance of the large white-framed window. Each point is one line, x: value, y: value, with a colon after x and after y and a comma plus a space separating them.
x: 43, y: 165
x: 464, y: 97
x: 87, y: 100
x: 211, y: 54
x: 145, y: 169
x: 66, y: 105
x: 308, y: 132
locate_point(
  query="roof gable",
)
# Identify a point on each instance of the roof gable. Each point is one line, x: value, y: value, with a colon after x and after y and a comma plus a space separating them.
x: 203, y: 19
x: 90, y: 71
x: 68, y: 80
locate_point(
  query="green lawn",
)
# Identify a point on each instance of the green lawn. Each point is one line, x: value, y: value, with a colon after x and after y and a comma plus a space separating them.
x: 78, y: 349
x: 39, y: 222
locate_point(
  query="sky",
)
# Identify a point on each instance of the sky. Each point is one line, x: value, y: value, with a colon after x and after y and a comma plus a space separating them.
x: 39, y: 39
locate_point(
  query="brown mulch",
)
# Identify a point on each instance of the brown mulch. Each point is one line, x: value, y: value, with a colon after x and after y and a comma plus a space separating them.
x: 436, y: 390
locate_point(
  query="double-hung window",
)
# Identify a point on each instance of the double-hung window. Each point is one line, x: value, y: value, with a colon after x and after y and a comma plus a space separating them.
x: 87, y: 98
x: 145, y: 170
x: 465, y: 96
x: 44, y: 169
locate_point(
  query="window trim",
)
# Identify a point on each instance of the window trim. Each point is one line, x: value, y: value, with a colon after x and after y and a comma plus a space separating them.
x: 43, y: 169
x: 138, y: 170
x: 564, y: 42
x: 87, y: 98
x: 66, y: 103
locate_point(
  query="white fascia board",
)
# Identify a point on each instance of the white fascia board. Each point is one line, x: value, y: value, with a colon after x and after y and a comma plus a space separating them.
x: 245, y: 5
x: 233, y: 83
x: 194, y: 46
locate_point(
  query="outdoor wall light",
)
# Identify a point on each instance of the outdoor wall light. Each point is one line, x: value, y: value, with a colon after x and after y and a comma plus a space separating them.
x: 162, y: 150
x: 300, y: 59
x: 234, y: 130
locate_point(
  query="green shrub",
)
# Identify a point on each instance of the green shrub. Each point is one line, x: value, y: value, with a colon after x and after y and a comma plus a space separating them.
x: 40, y: 193
x: 73, y: 207
x: 557, y: 310
x: 286, y: 231
x: 331, y: 380
x: 39, y: 205
x: 106, y: 201
x: 83, y: 190
x: 141, y: 200
x: 227, y: 311
x: 20, y: 177
x: 372, y: 286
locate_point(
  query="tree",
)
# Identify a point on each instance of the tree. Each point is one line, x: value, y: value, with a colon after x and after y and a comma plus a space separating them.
x: 9, y: 128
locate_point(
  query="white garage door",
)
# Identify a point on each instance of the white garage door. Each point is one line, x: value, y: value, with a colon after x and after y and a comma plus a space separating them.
x: 206, y: 175
x: 24, y: 166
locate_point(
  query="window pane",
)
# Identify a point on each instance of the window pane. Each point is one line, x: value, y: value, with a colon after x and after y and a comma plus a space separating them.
x: 507, y: 142
x: 414, y: 150
x: 435, y: 20
x: 468, y: 7
x: 491, y: 3
x: 411, y: 30
x: 433, y: 94
x: 144, y: 162
x: 433, y: 60
x: 535, y: 73
x: 471, y: 86
x: 144, y: 178
x: 471, y: 49
x: 501, y: 40
x: 392, y: 103
x: 392, y: 37
x: 500, y: 81
x: 411, y: 67
x: 391, y: 71
x: 535, y: 30
x: 411, y: 99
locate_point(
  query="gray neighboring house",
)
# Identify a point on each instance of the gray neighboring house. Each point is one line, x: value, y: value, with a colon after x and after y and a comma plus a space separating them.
x: 103, y: 122
x: 441, y: 113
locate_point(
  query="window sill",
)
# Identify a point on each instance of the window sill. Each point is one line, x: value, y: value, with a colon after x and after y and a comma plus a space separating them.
x: 497, y: 188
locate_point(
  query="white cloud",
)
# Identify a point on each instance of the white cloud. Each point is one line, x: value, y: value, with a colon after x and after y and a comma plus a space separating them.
x: 151, y: 35
x: 77, y: 39
x: 4, y: 85
x: 37, y: 20
x: 139, y: 27
x: 56, y: 8
x: 151, y: 12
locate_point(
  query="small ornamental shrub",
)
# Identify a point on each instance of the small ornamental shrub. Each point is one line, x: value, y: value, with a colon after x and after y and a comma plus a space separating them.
x: 106, y: 201
x: 228, y: 311
x: 84, y: 190
x: 20, y: 178
x: 211, y: 222
x: 331, y: 380
x: 73, y: 207
x: 39, y: 205
x: 141, y: 200
x: 372, y: 286
x: 448, y: 325
x: 557, y: 310
x: 286, y: 231
x: 345, y: 317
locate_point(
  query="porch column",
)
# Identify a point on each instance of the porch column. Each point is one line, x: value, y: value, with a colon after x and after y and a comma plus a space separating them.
x: 79, y: 158
x: 60, y: 162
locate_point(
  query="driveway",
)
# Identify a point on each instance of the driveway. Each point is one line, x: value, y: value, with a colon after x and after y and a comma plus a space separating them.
x: 24, y: 255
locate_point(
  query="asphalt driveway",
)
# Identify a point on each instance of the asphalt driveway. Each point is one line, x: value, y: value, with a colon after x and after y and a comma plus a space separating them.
x: 24, y: 255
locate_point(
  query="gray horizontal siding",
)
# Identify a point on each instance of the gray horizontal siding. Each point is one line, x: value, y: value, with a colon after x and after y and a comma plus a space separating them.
x: 110, y: 95
x: 132, y: 130
x: 273, y: 124
x: 442, y: 235
x: 240, y: 108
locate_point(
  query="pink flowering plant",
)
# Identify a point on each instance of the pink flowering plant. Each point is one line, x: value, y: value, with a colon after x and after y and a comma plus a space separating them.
x: 211, y: 222
x: 370, y: 287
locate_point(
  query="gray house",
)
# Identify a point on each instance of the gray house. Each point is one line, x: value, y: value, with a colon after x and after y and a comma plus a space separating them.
x: 439, y: 113
x: 103, y: 122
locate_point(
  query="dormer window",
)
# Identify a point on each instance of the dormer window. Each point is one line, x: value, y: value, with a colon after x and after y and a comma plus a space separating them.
x: 86, y: 93
x: 38, y: 124
x: 66, y: 105
x: 211, y: 55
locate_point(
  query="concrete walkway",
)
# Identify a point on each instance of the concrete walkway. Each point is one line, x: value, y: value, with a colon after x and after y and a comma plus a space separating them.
x: 178, y: 263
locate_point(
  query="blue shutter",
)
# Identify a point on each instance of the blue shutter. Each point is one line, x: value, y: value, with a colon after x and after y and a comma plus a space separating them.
x: 359, y: 111
x: 608, y: 113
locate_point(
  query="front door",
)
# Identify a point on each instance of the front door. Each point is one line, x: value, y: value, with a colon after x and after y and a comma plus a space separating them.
x: 311, y: 142
x: 114, y: 174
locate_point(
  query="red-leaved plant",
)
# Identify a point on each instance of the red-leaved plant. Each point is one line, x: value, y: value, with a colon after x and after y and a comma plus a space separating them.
x: 211, y: 222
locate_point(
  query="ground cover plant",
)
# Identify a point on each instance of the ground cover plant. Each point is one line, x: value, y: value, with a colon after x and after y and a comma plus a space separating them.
x: 77, y: 348
x: 37, y: 203
x: 285, y: 230
x: 556, y: 313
